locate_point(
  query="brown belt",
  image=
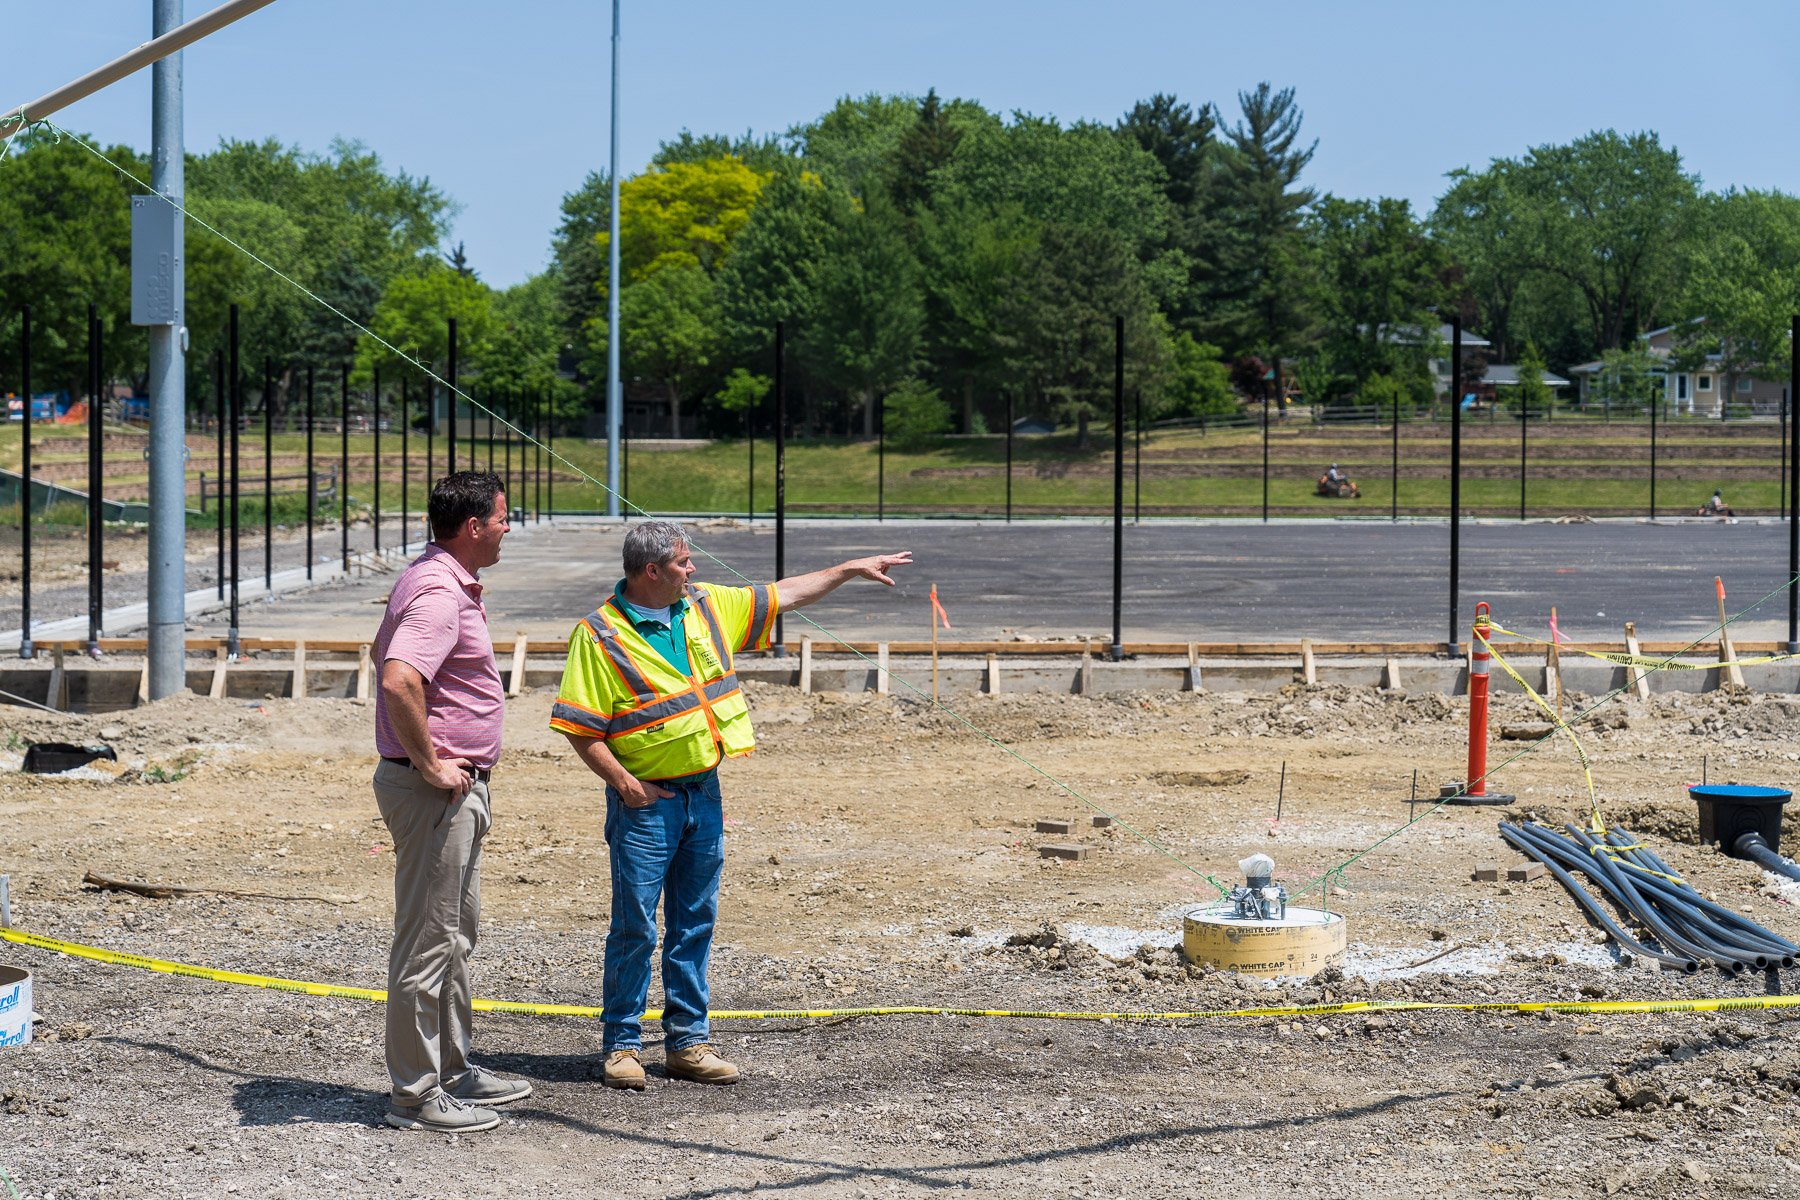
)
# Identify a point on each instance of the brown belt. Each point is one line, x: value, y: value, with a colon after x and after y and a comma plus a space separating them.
x: 481, y: 774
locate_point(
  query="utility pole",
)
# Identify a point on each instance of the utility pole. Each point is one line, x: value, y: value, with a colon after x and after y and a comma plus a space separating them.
x: 615, y: 396
x: 163, y: 278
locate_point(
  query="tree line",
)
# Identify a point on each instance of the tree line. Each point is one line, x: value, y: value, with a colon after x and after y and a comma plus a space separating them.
x: 936, y: 264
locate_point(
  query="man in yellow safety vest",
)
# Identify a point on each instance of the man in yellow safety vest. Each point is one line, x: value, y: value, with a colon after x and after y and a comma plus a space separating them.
x: 650, y: 702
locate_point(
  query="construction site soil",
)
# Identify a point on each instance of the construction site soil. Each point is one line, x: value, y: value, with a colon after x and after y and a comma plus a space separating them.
x: 881, y: 852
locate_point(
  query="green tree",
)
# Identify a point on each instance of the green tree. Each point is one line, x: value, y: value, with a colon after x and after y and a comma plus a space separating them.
x: 1262, y: 285
x: 685, y: 214
x: 770, y: 273
x: 1379, y: 280
x: 1745, y: 282
x: 413, y: 317
x: 914, y: 415
x: 921, y: 155
x: 1531, y: 396
x: 863, y: 336
x: 1627, y: 376
x: 1199, y: 383
x: 971, y: 258
x: 668, y: 327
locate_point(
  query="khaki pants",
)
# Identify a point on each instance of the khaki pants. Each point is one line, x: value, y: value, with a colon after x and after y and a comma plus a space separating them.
x: 437, y: 904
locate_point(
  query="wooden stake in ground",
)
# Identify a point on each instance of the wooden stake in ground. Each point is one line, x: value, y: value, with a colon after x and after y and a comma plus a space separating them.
x: 1734, y: 674
x: 1640, y: 682
x: 1553, y: 665
x: 937, y: 614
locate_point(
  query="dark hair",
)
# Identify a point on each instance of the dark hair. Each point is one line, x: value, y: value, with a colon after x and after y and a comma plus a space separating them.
x: 457, y: 497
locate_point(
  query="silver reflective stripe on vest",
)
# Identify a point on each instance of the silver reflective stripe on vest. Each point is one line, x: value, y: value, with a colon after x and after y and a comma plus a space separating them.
x: 651, y: 714
x: 569, y: 714
x: 633, y: 678
x: 723, y: 686
x: 759, y: 613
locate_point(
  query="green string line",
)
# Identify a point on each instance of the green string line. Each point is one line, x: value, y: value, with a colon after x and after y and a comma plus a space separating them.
x: 528, y: 439
x: 1711, y: 634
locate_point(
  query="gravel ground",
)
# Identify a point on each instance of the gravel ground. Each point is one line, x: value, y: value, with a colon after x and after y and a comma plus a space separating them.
x: 880, y: 854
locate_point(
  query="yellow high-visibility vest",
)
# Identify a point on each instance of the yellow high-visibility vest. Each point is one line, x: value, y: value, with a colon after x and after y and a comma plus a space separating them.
x: 659, y: 723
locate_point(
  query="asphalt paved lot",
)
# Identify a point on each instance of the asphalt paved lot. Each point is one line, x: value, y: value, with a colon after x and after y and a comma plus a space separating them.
x: 1184, y: 581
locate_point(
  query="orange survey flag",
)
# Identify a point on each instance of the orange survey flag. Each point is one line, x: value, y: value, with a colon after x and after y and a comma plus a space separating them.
x: 937, y: 610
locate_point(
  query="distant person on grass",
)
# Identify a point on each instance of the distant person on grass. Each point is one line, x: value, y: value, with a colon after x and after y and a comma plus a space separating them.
x: 437, y: 728
x: 650, y: 702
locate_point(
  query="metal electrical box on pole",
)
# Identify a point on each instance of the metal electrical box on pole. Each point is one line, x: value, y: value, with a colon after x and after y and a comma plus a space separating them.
x: 158, y: 288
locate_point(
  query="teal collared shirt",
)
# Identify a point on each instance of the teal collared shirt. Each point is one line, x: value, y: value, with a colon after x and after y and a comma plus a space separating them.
x: 667, y: 639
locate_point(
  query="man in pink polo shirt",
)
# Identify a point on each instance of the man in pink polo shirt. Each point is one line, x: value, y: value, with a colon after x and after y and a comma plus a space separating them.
x: 437, y: 729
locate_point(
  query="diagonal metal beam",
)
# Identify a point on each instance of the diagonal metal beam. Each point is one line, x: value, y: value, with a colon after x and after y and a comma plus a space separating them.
x: 136, y: 60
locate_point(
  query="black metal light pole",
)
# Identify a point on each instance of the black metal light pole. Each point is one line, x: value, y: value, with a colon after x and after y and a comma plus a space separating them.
x: 312, y: 479
x: 96, y: 483
x: 224, y: 404
x: 232, y: 645
x: 1793, y: 506
x: 1118, y: 564
x: 26, y: 649
x: 450, y: 399
x: 1009, y: 454
x: 1456, y: 385
x: 780, y: 474
x: 268, y: 397
x: 375, y: 429
x: 344, y: 466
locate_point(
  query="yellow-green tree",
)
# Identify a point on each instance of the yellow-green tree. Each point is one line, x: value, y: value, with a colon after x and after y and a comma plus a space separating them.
x: 683, y: 215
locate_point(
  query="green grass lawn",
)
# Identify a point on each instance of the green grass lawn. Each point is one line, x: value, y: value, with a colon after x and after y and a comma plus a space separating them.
x: 1050, y: 474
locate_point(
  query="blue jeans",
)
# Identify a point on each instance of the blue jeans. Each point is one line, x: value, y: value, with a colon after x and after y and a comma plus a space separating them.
x: 674, y: 850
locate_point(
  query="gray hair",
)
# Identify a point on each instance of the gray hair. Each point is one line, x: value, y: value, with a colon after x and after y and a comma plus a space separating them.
x: 652, y: 542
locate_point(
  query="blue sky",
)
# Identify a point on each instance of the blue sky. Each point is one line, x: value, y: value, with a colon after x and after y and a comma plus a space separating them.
x: 505, y: 105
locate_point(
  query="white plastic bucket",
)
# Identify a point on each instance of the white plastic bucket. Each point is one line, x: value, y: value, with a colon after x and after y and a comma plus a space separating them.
x: 15, y: 1006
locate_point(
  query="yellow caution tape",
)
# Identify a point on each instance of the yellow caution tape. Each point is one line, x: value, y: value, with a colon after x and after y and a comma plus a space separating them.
x: 1667, y: 663
x: 1562, y: 727
x: 376, y: 995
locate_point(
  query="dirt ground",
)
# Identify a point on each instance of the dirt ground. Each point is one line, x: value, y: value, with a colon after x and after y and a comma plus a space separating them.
x: 881, y: 853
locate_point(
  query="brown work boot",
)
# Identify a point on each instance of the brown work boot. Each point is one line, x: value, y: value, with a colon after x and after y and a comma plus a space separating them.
x: 701, y: 1064
x: 623, y: 1069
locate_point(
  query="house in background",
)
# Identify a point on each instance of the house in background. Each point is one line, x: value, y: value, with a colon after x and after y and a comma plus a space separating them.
x: 1704, y: 391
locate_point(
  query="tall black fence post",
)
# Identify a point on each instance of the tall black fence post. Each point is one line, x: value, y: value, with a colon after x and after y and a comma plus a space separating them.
x: 405, y: 468
x: 1793, y: 506
x: 780, y: 473
x: 537, y: 457
x: 233, y: 647
x: 1137, y: 458
x: 450, y: 399
x: 221, y: 396
x: 312, y: 478
x: 1265, y: 469
x: 750, y: 437
x: 1456, y: 386
x: 1524, y: 424
x: 430, y: 400
x: 1655, y: 403
x: 96, y: 480
x: 881, y: 460
x: 1009, y: 454
x: 26, y: 649
x: 344, y: 466
x: 488, y: 413
x: 268, y: 407
x: 1118, y: 563
x: 375, y: 431
x: 550, y: 453
x: 1394, y: 464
